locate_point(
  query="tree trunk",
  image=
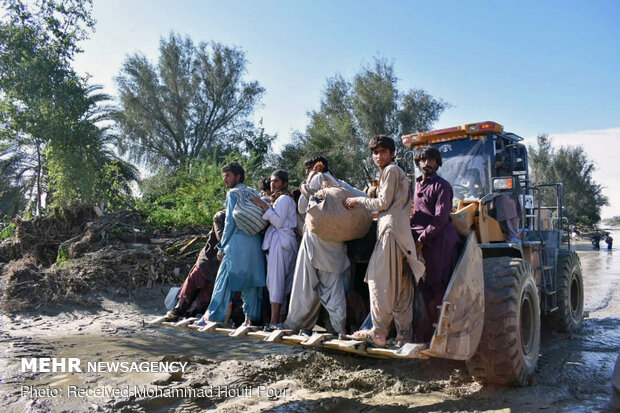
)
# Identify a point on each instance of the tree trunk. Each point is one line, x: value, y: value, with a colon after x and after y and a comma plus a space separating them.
x: 39, y: 172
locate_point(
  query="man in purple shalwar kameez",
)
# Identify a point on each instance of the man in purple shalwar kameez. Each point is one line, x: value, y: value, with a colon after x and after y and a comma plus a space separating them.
x: 436, y: 235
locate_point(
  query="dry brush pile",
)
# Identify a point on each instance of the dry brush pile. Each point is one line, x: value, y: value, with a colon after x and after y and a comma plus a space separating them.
x: 68, y: 256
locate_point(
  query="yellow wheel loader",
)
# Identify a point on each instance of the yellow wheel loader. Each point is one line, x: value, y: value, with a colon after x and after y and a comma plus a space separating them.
x: 499, y: 290
x: 491, y: 313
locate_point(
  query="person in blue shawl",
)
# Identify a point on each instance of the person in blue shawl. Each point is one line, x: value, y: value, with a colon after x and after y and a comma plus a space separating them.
x: 243, y: 261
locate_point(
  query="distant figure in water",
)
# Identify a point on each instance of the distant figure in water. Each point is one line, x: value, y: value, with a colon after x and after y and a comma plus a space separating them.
x: 609, y: 240
x: 596, y: 241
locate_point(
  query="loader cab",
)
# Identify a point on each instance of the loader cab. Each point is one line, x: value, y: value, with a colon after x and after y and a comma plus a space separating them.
x: 471, y: 165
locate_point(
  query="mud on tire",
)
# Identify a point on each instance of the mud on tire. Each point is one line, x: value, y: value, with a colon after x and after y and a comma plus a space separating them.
x: 567, y: 318
x: 508, y: 351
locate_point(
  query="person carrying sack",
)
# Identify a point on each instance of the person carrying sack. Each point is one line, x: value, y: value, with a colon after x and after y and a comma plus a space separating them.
x: 317, y: 279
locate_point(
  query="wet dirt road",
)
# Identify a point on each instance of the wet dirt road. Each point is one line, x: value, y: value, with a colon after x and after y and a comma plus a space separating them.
x: 573, y: 373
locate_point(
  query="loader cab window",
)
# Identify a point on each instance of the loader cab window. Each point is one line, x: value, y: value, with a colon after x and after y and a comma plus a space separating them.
x: 467, y: 166
x: 510, y: 158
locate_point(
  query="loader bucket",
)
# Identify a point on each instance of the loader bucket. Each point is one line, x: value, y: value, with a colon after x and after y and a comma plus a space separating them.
x: 462, y: 312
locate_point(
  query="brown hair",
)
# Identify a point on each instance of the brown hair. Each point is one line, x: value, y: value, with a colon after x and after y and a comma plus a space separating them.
x: 235, y: 168
x: 382, y: 141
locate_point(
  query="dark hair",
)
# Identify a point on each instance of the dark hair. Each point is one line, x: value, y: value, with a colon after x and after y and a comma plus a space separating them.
x: 382, y: 141
x: 312, y: 161
x: 235, y: 168
x: 296, y: 194
x: 282, y: 174
x: 427, y: 152
x: 265, y: 184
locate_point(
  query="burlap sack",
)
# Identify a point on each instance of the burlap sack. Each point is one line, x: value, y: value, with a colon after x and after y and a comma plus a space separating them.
x: 329, y: 219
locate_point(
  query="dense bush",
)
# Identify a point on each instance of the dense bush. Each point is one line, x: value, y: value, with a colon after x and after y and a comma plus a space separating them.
x: 190, y: 196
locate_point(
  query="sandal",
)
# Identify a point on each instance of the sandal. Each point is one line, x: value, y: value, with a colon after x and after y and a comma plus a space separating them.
x: 272, y: 327
x: 369, y: 337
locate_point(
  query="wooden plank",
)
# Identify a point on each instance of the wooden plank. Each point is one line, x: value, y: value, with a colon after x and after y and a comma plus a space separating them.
x: 358, y: 344
x: 259, y: 335
x: 295, y: 338
x: 157, y: 320
x: 224, y: 330
x: 185, y: 322
x: 316, y: 339
x: 347, y: 346
x: 381, y: 352
x: 414, y: 351
x: 276, y: 336
x: 242, y: 331
x: 209, y: 327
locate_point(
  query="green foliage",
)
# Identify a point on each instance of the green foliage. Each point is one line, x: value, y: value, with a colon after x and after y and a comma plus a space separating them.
x: 257, y: 161
x: 52, y: 141
x: 114, y: 185
x: 63, y: 254
x: 7, y: 231
x: 613, y: 220
x: 351, y: 112
x: 192, y: 104
x: 189, y: 196
x: 570, y: 165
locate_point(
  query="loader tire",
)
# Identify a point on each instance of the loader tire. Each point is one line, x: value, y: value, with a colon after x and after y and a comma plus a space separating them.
x: 567, y: 318
x: 508, y: 351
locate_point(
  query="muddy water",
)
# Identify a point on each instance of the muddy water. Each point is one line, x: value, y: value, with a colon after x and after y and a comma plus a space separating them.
x: 573, y: 373
x: 125, y: 338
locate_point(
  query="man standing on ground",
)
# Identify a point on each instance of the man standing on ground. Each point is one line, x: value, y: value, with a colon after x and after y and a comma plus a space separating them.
x: 243, y: 261
x: 436, y: 235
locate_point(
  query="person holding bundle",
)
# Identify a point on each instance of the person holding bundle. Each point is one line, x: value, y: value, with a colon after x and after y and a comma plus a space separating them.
x: 280, y: 243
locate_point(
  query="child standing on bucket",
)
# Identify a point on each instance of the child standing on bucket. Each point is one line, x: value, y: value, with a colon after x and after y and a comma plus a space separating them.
x: 389, y: 273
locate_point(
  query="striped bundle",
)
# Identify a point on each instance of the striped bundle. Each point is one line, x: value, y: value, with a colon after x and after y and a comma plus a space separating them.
x: 247, y: 216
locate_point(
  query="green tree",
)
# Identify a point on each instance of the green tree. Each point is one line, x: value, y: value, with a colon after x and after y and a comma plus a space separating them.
x: 82, y: 165
x: 194, y: 102
x: 52, y: 124
x: 187, y: 196
x: 570, y: 165
x: 353, y: 111
x: 256, y: 146
x: 13, y: 183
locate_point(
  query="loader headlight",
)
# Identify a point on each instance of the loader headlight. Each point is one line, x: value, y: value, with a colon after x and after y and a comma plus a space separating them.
x: 503, y: 184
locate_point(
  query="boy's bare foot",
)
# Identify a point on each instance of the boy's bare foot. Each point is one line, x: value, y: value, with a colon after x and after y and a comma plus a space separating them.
x: 370, y: 337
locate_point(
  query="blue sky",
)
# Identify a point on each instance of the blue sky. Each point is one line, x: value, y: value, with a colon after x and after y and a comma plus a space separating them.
x: 534, y: 66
